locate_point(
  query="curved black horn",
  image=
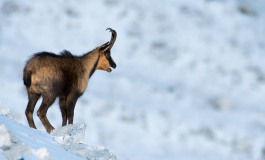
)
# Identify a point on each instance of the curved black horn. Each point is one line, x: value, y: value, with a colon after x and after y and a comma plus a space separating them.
x: 113, y: 38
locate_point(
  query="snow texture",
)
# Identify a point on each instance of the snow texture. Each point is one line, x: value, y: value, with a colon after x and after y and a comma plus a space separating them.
x: 21, y: 142
x: 189, y: 82
x: 70, y: 134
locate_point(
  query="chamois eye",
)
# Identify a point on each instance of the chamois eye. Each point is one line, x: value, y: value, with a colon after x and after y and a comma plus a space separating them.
x: 107, y: 55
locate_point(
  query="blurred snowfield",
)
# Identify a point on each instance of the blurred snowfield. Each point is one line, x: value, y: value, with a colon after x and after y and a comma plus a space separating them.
x: 189, y: 82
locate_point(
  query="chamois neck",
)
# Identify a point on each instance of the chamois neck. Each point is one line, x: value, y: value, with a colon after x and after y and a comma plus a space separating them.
x: 90, y: 61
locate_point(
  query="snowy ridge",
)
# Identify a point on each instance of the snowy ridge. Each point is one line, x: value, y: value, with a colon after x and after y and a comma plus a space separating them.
x: 21, y: 142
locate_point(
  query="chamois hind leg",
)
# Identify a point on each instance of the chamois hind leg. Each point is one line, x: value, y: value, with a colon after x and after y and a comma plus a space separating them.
x: 62, y: 102
x: 70, y: 103
x: 33, y: 98
x: 46, y: 103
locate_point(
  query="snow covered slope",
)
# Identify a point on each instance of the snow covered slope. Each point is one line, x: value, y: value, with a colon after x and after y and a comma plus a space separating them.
x: 21, y: 142
x: 189, y: 82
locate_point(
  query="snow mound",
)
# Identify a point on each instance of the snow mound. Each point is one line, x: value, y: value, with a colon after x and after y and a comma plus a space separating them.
x: 5, y: 139
x: 70, y: 134
x: 10, y: 146
x: 4, y: 111
x: 41, y: 153
x: 88, y: 152
x: 20, y: 142
x: 71, y: 138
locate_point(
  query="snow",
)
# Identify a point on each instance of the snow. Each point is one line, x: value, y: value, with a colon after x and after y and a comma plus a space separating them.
x: 77, y: 134
x: 5, y: 137
x: 21, y: 142
x: 189, y: 82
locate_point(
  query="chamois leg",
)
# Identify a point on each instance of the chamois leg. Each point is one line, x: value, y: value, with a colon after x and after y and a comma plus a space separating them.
x: 46, y: 103
x: 33, y: 98
x: 62, y: 102
x: 71, y: 101
x: 71, y: 114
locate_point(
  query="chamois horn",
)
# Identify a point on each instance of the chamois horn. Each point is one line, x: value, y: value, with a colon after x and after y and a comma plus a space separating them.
x: 112, y: 40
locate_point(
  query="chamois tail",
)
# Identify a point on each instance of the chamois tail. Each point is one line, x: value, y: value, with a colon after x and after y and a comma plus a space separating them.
x: 27, y: 78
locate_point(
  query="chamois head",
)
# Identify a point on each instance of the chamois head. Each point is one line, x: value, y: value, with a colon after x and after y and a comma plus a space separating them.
x: 105, y: 60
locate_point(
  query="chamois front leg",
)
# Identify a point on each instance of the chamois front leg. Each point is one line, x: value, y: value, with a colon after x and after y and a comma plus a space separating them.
x: 46, y: 103
x: 62, y: 102
x: 70, y: 103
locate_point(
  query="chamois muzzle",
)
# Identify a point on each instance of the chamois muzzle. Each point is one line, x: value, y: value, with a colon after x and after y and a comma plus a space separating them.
x: 111, y: 63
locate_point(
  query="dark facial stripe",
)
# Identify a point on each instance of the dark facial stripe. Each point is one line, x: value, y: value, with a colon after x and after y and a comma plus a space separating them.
x: 112, y: 63
x: 93, y: 69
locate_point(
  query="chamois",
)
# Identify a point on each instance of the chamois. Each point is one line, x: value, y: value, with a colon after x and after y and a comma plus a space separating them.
x: 64, y: 76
